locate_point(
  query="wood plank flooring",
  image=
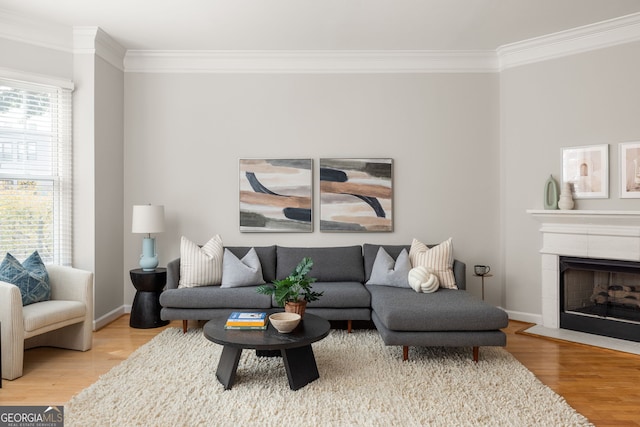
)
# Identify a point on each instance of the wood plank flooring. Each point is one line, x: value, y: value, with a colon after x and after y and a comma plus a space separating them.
x: 603, y: 385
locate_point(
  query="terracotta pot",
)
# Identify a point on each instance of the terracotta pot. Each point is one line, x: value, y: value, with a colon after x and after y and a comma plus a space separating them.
x: 295, y: 307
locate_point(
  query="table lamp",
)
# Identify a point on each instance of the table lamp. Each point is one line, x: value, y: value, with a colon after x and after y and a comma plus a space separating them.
x: 148, y: 219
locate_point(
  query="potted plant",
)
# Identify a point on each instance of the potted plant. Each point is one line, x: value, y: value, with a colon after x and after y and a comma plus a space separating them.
x: 294, y: 291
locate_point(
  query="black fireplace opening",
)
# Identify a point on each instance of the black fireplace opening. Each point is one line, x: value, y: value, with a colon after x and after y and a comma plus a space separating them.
x: 600, y: 296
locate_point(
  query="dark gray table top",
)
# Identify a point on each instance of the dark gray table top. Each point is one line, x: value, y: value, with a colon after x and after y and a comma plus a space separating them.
x: 310, y: 329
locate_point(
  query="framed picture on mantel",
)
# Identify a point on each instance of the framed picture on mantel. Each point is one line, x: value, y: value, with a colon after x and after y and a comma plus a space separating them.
x: 587, y: 169
x: 629, y: 154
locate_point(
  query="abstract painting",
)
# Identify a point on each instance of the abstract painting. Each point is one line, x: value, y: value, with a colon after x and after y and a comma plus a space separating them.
x: 276, y: 195
x: 356, y: 195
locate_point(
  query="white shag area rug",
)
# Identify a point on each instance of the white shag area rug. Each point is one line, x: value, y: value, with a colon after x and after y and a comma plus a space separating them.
x: 171, y: 381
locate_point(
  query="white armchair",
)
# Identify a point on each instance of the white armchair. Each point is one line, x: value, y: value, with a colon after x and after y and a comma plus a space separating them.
x: 65, y: 321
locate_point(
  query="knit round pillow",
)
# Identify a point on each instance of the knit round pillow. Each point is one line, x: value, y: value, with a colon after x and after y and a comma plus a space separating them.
x: 421, y: 279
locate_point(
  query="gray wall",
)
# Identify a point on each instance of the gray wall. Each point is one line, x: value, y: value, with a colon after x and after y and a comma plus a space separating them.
x: 584, y: 99
x: 184, y: 134
x: 109, y: 183
x: 471, y: 153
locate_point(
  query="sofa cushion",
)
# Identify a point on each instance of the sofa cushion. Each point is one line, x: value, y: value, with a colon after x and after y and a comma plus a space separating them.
x: 438, y: 258
x: 241, y: 272
x: 389, y: 272
x: 30, y: 277
x: 267, y: 256
x: 53, y: 313
x: 421, y: 279
x: 341, y: 295
x: 330, y: 264
x: 201, y: 266
x: 370, y: 252
x: 214, y: 297
x: 445, y: 310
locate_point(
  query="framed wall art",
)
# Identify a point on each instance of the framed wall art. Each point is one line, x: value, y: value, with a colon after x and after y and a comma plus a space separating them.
x: 276, y: 195
x: 587, y: 169
x: 356, y: 195
x: 629, y: 157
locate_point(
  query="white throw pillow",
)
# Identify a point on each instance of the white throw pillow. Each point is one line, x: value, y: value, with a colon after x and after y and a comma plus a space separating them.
x: 200, y: 266
x: 421, y: 279
x: 439, y: 259
x: 389, y: 272
x: 241, y: 272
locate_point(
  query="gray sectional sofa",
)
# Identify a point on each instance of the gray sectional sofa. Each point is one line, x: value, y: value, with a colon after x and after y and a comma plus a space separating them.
x: 403, y: 317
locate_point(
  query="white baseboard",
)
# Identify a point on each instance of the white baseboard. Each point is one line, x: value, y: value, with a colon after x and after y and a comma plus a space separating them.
x: 525, y: 317
x: 103, y: 321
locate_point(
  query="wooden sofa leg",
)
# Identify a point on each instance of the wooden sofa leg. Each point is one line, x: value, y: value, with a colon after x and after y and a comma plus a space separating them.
x: 184, y: 326
x: 349, y: 326
x: 476, y: 352
x: 405, y: 352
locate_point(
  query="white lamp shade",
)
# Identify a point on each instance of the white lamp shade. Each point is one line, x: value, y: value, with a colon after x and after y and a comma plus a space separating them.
x: 147, y: 219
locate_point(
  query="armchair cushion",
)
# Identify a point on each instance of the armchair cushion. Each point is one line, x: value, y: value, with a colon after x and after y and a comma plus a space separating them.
x: 30, y: 277
x: 50, y: 315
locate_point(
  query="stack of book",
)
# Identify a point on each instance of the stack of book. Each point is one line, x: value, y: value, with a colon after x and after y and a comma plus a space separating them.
x: 247, y: 321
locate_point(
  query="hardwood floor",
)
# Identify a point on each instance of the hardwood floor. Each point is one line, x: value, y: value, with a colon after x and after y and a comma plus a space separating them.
x: 603, y: 385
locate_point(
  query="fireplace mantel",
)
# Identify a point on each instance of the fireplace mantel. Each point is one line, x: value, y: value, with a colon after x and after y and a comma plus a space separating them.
x: 582, y: 233
x: 590, y: 233
x: 587, y: 217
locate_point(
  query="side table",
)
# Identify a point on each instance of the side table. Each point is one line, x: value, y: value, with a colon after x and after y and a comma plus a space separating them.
x: 482, y: 277
x: 145, y: 311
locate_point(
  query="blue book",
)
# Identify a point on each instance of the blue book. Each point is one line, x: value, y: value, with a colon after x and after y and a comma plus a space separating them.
x: 241, y: 318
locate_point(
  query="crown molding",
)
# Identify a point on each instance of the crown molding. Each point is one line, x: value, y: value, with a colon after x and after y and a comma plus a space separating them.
x: 93, y: 40
x: 22, y: 29
x: 80, y: 40
x: 310, y: 61
x: 603, y: 34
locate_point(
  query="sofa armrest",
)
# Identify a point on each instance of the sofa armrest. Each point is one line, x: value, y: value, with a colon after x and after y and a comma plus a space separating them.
x: 70, y: 284
x: 460, y: 273
x: 10, y: 311
x: 12, y: 331
x: 173, y: 274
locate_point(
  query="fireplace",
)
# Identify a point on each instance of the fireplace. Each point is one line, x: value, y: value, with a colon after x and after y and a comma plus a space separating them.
x: 612, y: 237
x: 600, y: 296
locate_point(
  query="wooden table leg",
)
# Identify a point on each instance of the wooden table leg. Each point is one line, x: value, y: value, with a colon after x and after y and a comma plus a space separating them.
x: 228, y: 365
x: 300, y: 365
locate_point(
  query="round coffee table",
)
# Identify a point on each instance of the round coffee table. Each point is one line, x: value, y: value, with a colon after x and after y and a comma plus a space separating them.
x: 295, y: 347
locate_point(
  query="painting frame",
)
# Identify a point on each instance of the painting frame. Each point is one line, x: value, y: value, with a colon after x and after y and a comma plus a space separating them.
x: 275, y: 195
x: 629, y: 169
x: 356, y: 194
x: 587, y: 169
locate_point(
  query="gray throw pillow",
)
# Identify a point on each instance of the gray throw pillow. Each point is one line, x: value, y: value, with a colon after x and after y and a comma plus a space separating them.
x: 388, y: 272
x: 241, y: 272
x: 30, y: 277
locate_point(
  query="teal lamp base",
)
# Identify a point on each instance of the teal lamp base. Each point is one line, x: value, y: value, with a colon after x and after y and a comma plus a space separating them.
x: 149, y: 257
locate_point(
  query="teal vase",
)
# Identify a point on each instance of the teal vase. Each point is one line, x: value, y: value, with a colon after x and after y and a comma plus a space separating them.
x: 551, y: 193
x: 149, y: 258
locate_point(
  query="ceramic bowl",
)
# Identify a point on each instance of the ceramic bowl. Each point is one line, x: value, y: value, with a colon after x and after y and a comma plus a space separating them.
x: 284, y: 322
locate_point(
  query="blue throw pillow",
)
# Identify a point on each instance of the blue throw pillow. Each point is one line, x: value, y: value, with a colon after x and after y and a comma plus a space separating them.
x: 30, y: 277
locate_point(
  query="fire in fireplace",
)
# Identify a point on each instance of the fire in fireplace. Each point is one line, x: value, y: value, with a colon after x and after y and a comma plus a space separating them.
x: 600, y: 296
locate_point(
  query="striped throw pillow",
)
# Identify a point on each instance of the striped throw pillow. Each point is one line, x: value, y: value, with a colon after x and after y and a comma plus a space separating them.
x: 200, y: 266
x: 439, y: 259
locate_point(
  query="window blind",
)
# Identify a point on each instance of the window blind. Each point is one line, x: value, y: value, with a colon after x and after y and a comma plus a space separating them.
x: 35, y: 171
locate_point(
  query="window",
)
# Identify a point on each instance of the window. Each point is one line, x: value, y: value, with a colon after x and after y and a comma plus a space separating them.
x: 35, y: 170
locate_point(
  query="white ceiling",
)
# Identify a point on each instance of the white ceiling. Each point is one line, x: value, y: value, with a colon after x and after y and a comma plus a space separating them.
x: 321, y: 24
